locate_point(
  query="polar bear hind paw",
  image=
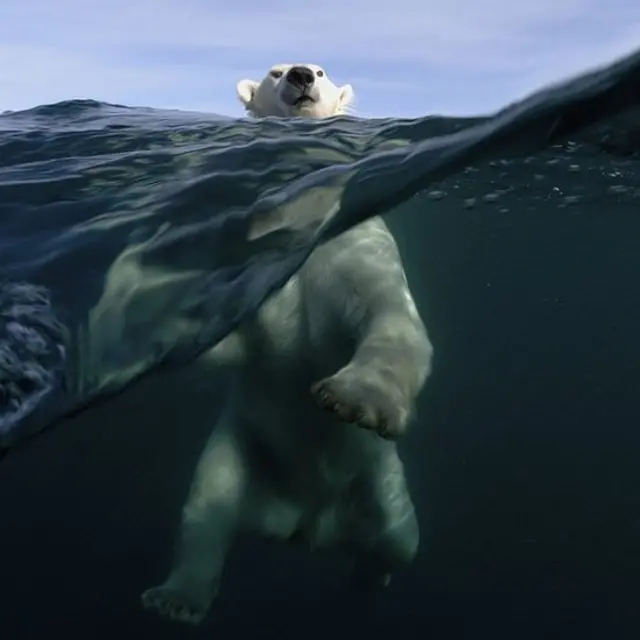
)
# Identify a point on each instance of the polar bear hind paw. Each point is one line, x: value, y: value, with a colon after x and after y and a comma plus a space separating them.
x: 177, y: 603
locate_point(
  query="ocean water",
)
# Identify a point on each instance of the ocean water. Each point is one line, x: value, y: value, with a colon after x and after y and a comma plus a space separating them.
x: 132, y: 239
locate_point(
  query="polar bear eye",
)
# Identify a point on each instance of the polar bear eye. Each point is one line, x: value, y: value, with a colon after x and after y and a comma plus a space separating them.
x: 319, y: 73
x: 275, y: 74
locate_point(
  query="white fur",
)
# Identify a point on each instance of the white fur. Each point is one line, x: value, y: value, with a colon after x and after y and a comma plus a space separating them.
x: 305, y: 446
x: 269, y: 97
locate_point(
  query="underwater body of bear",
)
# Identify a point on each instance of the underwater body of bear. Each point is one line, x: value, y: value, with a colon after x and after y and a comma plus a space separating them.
x: 341, y: 346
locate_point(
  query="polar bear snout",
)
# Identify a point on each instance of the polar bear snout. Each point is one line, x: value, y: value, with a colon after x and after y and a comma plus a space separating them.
x: 300, y: 77
x: 300, y: 87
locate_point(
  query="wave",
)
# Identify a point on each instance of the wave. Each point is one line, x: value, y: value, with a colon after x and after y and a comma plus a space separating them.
x: 132, y: 239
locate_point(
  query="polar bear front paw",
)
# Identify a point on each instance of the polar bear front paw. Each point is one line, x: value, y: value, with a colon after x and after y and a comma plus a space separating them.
x: 360, y: 397
x: 179, y: 602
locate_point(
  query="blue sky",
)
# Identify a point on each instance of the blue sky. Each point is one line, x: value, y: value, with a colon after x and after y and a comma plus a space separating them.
x: 403, y: 57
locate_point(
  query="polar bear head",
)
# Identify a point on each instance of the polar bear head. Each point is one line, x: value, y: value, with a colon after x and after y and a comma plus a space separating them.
x: 295, y: 90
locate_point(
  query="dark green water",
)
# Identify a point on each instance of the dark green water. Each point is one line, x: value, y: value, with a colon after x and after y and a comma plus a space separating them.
x: 522, y: 253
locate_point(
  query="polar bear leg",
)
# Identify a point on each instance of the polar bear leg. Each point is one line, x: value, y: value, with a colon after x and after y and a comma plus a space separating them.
x: 392, y: 358
x: 209, y: 521
x: 376, y: 390
x: 382, y: 529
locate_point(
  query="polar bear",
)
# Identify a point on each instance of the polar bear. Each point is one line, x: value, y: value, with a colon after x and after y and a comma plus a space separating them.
x: 305, y: 448
x: 295, y: 90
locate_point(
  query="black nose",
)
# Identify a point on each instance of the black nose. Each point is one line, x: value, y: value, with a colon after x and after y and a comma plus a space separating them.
x: 300, y: 77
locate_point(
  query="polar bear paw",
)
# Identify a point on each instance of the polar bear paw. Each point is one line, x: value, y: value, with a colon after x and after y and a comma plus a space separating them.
x: 179, y: 602
x: 358, y: 396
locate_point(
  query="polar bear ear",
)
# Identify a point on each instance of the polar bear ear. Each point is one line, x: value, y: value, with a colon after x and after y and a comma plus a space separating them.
x: 246, y: 91
x: 345, y: 96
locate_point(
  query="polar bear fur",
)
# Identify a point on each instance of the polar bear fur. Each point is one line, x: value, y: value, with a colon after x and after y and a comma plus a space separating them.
x: 305, y: 448
x: 295, y: 90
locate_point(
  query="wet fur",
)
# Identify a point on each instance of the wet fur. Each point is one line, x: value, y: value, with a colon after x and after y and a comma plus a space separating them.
x: 305, y: 448
x: 275, y: 97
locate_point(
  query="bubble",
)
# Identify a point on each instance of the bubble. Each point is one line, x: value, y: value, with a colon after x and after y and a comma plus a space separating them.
x: 618, y: 188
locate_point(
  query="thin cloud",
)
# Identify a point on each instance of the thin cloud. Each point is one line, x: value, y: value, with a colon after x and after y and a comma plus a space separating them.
x: 409, y: 57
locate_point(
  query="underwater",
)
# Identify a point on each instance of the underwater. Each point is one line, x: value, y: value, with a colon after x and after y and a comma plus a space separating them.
x: 133, y: 240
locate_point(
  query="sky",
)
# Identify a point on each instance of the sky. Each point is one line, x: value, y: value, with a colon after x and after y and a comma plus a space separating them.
x: 404, y: 58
